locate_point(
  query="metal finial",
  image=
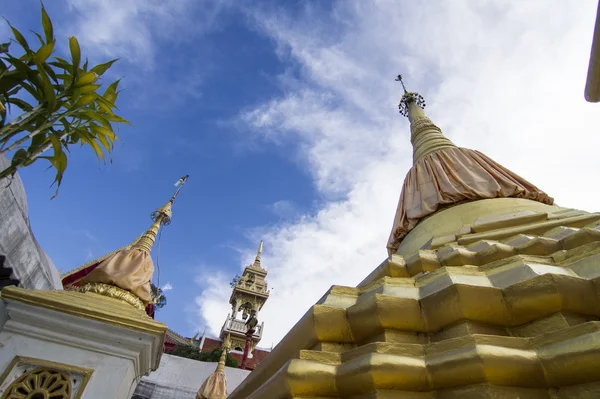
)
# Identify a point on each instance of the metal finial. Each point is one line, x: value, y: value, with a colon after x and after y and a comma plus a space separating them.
x: 399, y: 79
x: 166, y: 209
x: 409, y: 97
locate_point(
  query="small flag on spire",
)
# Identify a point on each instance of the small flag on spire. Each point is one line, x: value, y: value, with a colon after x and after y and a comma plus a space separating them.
x: 181, y: 181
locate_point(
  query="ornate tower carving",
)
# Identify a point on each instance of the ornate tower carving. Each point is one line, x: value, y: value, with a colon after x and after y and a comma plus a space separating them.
x: 248, y: 296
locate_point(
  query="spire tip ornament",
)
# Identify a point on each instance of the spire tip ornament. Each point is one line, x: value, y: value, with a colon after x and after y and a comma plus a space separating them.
x: 259, y: 253
x: 409, y: 97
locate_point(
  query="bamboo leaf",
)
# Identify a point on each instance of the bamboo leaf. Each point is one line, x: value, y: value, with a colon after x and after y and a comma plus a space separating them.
x: 11, y: 79
x: 13, y: 91
x: 89, y: 89
x: 75, y: 96
x: 19, y: 158
x: 24, y: 105
x: 87, y: 138
x: 104, y: 132
x: 47, y: 25
x: 110, y: 94
x: 85, y: 100
x: 44, y: 52
x: 63, y: 64
x: 19, y: 65
x: 95, y: 116
x: 42, y: 42
x: 86, y: 79
x: 47, y: 87
x: 117, y: 118
x: 102, y: 139
x: 39, y: 96
x: 19, y: 37
x: 101, y: 68
x: 58, y: 160
x: 75, y: 52
x: 36, y: 142
x: 104, y: 105
x: 3, y: 68
x: 50, y: 72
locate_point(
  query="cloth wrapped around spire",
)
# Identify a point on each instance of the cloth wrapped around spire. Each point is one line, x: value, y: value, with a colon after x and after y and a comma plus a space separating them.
x: 215, y: 386
x: 132, y: 269
x: 444, y: 174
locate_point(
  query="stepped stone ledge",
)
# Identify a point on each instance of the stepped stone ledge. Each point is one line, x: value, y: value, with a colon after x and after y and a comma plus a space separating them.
x: 506, y: 305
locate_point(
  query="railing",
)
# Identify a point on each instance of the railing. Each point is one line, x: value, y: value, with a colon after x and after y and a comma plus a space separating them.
x: 239, y: 326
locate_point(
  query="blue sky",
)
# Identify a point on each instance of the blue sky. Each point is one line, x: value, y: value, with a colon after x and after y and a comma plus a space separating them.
x: 284, y: 115
x: 182, y: 102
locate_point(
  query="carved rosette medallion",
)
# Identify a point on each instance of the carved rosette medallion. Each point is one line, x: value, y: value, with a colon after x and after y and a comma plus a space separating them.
x: 28, y: 378
x: 40, y: 384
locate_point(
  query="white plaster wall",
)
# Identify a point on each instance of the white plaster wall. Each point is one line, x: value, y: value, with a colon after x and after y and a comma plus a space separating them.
x: 112, y: 376
x: 178, y: 377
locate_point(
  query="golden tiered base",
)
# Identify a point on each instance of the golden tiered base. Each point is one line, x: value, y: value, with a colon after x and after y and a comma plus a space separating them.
x: 507, y: 307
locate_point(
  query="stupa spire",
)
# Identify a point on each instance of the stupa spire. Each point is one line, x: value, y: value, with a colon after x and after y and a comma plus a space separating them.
x: 444, y: 174
x: 129, y: 270
x: 161, y: 217
x: 425, y: 136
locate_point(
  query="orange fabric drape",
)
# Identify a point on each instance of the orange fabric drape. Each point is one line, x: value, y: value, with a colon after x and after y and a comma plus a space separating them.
x: 129, y: 269
x: 453, y: 175
x: 215, y: 387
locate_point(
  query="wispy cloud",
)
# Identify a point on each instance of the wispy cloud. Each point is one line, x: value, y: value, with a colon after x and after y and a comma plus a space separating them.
x: 132, y: 29
x: 213, y: 302
x: 88, y: 234
x: 504, y: 78
x: 167, y: 287
x: 284, y: 209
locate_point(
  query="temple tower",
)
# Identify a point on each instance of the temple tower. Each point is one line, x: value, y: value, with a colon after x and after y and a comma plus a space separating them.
x: 248, y: 296
x: 489, y: 291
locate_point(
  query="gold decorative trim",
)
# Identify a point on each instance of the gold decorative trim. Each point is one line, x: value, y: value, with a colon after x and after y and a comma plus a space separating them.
x: 94, y: 307
x: 48, y: 365
x: 114, y: 292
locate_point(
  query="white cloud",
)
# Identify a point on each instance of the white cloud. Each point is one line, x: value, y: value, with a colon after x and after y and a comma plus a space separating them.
x: 284, y: 209
x: 168, y: 286
x: 506, y: 78
x: 131, y: 28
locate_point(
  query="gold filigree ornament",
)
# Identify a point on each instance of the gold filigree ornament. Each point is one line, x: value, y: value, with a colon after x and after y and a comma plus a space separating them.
x: 40, y: 384
x: 113, y: 292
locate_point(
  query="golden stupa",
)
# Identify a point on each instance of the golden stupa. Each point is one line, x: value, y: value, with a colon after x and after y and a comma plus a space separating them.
x: 490, y: 291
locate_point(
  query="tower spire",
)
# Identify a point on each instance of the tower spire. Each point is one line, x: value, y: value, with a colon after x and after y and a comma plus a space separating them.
x: 425, y: 136
x: 258, y: 254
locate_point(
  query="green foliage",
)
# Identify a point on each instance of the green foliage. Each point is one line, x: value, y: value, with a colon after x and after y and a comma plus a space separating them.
x: 213, y: 356
x: 158, y: 296
x: 234, y: 281
x: 66, y: 106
